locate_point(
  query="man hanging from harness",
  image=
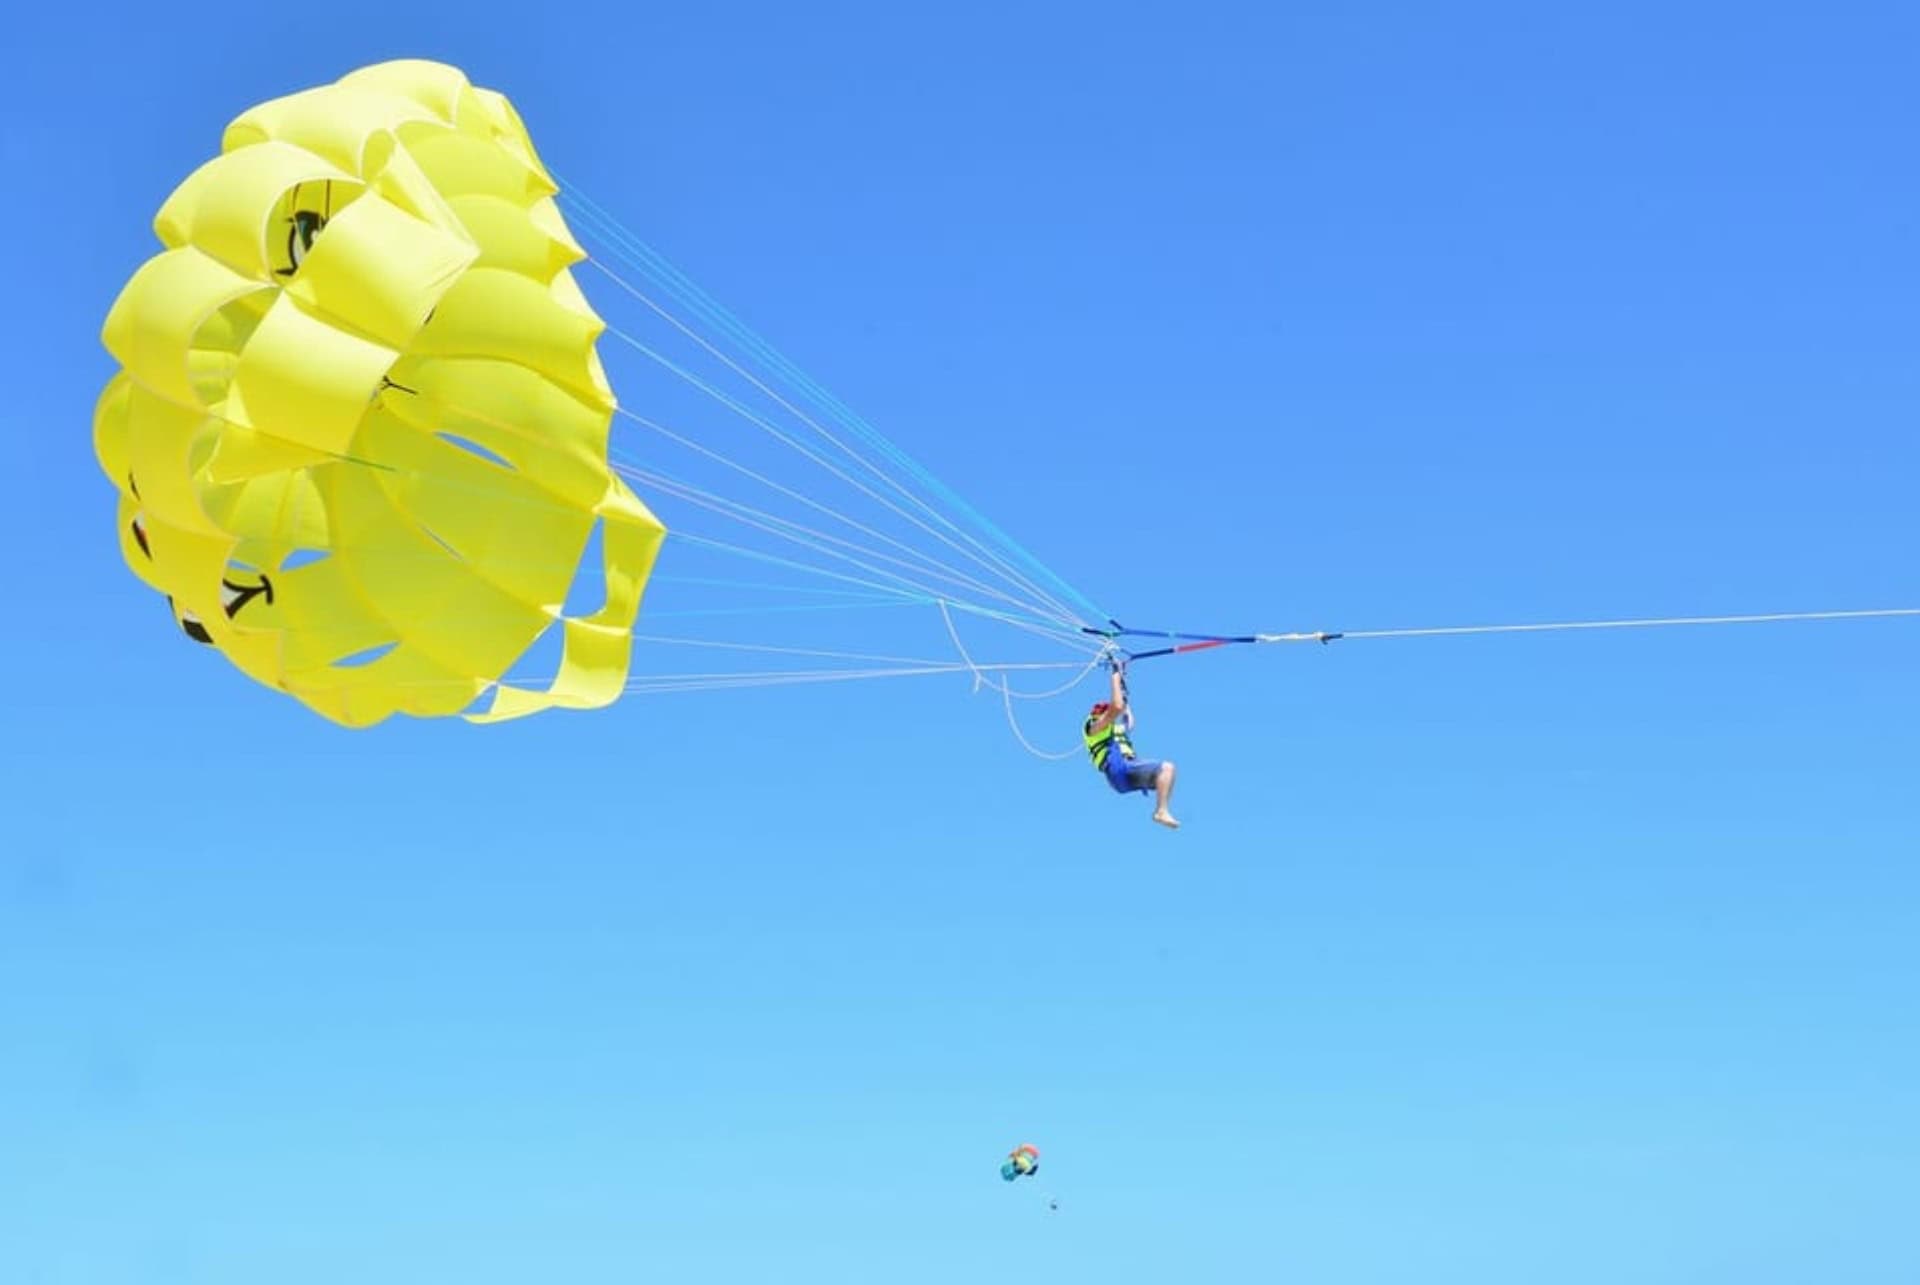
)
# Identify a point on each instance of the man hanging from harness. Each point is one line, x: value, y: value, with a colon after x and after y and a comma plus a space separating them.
x: 1112, y: 753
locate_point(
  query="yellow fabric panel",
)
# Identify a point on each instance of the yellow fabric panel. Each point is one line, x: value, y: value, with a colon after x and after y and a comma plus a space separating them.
x: 545, y: 214
x: 325, y: 616
x: 210, y: 369
x: 190, y: 566
x: 462, y: 165
x: 305, y: 381
x: 137, y: 559
x: 432, y: 86
x: 380, y: 271
x: 398, y: 682
x: 162, y: 438
x: 593, y: 672
x: 512, y: 134
x: 360, y: 432
x: 110, y: 429
x: 511, y: 240
x: 224, y: 208
x: 497, y: 521
x: 437, y: 604
x: 565, y: 291
x: 255, y: 652
x: 216, y: 344
x: 275, y: 509
x: 595, y: 650
x: 242, y: 452
x: 633, y: 538
x: 490, y: 313
x: 497, y: 404
x: 402, y: 183
x: 151, y: 326
x: 332, y: 122
x: 225, y: 331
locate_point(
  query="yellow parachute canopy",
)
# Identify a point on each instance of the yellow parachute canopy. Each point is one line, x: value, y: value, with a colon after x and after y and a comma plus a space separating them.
x: 360, y: 426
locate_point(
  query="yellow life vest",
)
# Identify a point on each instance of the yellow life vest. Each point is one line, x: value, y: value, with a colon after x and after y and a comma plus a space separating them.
x: 1101, y: 743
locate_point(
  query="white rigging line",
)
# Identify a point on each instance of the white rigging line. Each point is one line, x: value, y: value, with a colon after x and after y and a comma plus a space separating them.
x: 1007, y: 694
x: 785, y: 528
x: 647, y: 683
x: 1052, y: 608
x: 816, y: 539
x: 660, y: 640
x: 688, y: 443
x: 985, y: 556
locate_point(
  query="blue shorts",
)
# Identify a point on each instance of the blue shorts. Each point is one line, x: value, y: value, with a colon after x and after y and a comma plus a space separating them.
x: 1129, y: 776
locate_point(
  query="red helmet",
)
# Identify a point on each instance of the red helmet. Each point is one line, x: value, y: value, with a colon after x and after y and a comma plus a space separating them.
x: 1100, y: 707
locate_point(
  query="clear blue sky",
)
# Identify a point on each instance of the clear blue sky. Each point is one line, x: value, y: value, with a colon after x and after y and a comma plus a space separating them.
x: 1578, y: 958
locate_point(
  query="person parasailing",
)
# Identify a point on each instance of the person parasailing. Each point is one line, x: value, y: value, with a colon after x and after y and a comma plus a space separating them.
x: 1109, y: 745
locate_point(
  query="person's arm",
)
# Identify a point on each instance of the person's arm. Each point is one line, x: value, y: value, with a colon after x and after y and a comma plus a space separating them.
x: 1122, y: 713
x: 1116, y: 708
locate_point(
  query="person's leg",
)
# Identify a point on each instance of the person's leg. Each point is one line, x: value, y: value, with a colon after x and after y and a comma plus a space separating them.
x: 1163, y: 795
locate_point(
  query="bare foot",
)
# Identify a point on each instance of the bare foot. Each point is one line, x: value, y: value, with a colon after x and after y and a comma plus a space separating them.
x: 1166, y: 818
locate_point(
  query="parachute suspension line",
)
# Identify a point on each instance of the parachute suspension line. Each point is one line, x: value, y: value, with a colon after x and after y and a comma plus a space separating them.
x: 728, y: 680
x: 663, y: 641
x: 866, y: 594
x: 949, y: 572
x: 834, y: 599
x: 717, y: 582
x: 707, y: 452
x: 980, y: 672
x: 953, y: 633
x: 634, y: 252
x: 684, y: 613
x: 814, y: 540
x: 957, y: 562
x: 1013, y: 722
x: 807, y: 537
x: 879, y: 666
x: 1052, y: 633
x: 998, y: 562
x: 915, y: 591
x: 775, y: 560
x: 1007, y: 694
x: 787, y: 439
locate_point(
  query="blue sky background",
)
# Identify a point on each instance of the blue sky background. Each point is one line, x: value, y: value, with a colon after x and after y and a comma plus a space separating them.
x: 1582, y: 958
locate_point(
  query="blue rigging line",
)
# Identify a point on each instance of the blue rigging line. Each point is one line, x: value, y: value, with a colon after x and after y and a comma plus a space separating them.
x: 642, y: 256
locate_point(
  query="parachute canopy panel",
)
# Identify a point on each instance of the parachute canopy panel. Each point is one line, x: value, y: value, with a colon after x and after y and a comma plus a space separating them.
x: 360, y: 426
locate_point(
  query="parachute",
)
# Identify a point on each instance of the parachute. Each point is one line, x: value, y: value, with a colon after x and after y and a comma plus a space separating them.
x: 360, y: 426
x: 1022, y: 1162
x: 363, y: 440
